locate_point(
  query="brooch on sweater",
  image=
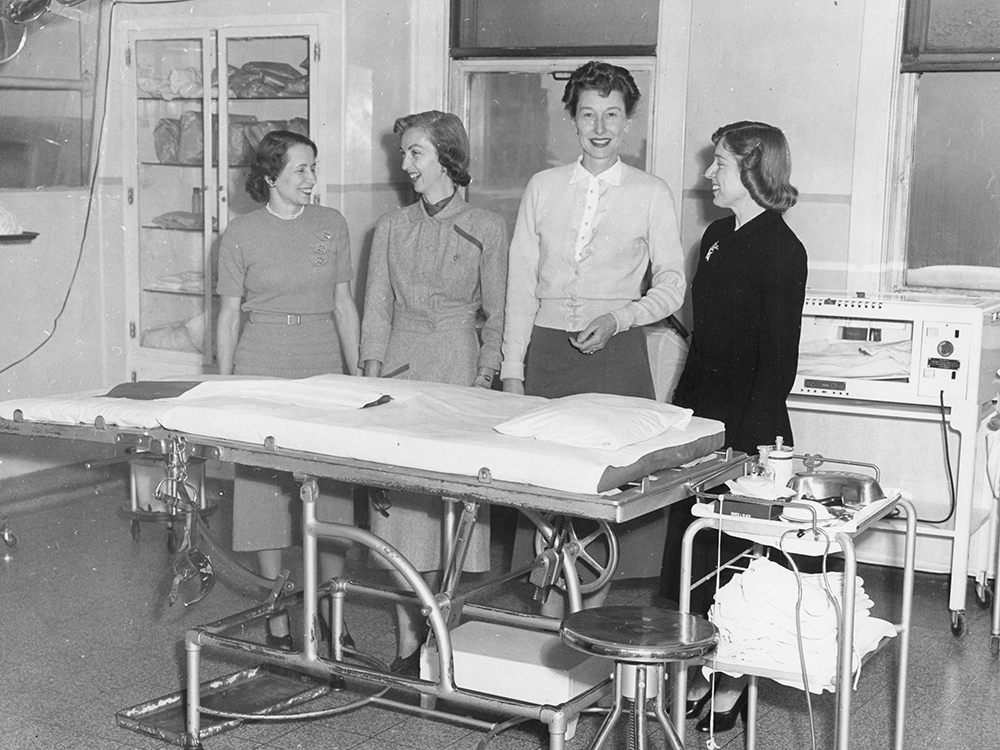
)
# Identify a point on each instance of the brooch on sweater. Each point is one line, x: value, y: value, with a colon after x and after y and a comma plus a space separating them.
x: 712, y: 249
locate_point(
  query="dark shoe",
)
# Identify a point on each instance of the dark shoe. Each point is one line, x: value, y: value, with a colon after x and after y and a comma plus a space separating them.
x: 408, y: 666
x: 326, y: 634
x: 725, y: 720
x: 694, y: 708
x: 284, y: 642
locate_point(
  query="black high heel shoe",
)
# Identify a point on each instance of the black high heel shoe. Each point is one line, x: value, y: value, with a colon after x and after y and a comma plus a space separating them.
x: 695, y: 707
x: 725, y: 720
x: 284, y: 642
x: 326, y: 633
x: 408, y: 666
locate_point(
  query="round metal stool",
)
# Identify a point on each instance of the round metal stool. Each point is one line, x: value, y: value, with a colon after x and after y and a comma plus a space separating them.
x: 642, y: 641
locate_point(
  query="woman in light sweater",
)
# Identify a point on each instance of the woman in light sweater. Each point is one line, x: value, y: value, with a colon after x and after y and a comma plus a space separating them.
x: 586, y: 234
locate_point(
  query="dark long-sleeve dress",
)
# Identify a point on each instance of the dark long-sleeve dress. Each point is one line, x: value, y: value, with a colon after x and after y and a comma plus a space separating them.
x: 747, y: 298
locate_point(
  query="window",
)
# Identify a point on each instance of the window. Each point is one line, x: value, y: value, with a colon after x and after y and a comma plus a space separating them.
x: 553, y: 28
x: 47, y: 91
x: 951, y: 67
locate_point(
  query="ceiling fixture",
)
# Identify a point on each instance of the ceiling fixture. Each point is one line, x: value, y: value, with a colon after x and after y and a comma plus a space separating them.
x: 23, y: 11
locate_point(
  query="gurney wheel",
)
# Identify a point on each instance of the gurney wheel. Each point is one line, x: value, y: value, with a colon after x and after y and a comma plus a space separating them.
x: 136, y: 530
x: 995, y: 645
x: 10, y: 538
x: 957, y: 622
x: 984, y: 596
x: 598, y: 552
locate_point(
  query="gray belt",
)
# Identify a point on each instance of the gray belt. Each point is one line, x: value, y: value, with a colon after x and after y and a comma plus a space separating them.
x: 286, y: 319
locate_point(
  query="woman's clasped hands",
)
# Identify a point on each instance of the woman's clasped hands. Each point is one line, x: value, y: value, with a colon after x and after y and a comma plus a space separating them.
x: 595, y: 336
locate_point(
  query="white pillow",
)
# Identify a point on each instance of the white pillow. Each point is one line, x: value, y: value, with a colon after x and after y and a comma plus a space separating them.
x: 597, y: 420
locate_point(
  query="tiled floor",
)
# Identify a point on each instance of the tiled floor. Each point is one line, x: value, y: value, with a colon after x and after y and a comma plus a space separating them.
x: 85, y: 631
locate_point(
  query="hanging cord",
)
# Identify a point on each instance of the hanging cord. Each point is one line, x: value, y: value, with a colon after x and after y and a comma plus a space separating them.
x: 947, y: 466
x: 798, y: 616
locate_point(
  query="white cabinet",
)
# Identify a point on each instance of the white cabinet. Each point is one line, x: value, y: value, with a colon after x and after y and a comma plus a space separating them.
x: 198, y: 95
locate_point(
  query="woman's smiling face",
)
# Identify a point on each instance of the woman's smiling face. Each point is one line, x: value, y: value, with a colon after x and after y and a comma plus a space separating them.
x: 728, y: 190
x: 421, y: 163
x: 602, y: 123
x: 294, y: 186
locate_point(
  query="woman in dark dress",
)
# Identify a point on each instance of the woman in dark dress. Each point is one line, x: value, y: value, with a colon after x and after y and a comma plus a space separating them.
x: 747, y: 297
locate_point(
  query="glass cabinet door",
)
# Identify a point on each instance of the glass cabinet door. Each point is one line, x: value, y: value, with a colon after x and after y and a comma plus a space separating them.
x: 204, y: 100
x: 266, y: 87
x: 174, y: 158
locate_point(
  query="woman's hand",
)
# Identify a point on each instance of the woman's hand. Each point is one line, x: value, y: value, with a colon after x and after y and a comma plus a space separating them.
x: 372, y: 368
x: 512, y: 385
x: 484, y: 378
x: 596, y: 336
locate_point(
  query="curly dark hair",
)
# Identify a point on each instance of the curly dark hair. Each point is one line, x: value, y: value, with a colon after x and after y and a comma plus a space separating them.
x: 765, y: 162
x: 603, y: 78
x: 447, y: 133
x: 270, y: 159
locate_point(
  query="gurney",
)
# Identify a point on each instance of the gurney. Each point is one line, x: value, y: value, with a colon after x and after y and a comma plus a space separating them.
x: 435, y: 439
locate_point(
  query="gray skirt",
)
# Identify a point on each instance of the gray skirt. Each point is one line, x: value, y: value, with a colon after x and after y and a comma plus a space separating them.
x: 266, y: 508
x: 281, y: 351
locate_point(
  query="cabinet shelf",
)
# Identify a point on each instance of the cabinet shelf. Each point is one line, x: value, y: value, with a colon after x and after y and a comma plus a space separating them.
x: 188, y: 164
x: 215, y: 98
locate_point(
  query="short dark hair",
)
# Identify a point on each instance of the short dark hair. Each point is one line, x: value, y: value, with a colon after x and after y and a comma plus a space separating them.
x: 765, y: 162
x: 603, y: 78
x: 270, y: 158
x: 450, y: 140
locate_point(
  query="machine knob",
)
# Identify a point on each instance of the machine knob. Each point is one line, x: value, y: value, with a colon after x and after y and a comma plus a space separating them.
x: 946, y: 348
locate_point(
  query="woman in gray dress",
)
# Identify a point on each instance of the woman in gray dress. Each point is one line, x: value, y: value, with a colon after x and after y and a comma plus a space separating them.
x: 287, y: 268
x: 436, y: 267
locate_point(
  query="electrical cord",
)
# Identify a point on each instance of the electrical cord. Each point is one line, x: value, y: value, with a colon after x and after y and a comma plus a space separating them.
x: 952, y: 492
x: 798, y: 616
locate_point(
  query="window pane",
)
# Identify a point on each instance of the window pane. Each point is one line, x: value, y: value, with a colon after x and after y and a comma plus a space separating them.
x: 953, y: 237
x: 45, y: 132
x: 964, y: 25
x: 554, y: 23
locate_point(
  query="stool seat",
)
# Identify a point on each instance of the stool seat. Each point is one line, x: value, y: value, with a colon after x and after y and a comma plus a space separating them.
x: 643, y: 635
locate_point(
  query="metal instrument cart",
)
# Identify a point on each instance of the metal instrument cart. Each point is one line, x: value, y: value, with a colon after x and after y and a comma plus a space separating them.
x: 769, y: 533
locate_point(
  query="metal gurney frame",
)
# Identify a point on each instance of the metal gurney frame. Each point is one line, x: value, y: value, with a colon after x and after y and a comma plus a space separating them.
x: 444, y: 609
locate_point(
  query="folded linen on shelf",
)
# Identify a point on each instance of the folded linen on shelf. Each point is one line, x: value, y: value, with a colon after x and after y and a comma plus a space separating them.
x: 756, y: 618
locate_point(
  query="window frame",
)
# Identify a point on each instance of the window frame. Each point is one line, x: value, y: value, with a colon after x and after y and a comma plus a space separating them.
x: 918, y: 57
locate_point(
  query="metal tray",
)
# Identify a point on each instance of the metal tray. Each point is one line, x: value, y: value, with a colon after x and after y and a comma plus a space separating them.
x: 264, y: 689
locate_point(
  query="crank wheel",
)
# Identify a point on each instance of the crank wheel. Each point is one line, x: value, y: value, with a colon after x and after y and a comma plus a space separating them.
x: 594, y: 548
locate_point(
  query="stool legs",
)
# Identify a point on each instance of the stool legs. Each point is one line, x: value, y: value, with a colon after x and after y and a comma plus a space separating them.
x: 634, y: 682
x: 616, y: 712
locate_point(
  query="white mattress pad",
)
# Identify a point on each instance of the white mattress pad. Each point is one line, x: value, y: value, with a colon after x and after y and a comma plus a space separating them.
x: 424, y: 426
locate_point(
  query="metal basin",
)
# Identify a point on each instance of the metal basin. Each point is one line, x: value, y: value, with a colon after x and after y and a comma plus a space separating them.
x: 836, y: 488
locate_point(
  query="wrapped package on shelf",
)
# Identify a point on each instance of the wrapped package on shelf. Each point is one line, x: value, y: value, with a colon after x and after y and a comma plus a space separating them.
x: 167, y: 140
x: 192, y: 143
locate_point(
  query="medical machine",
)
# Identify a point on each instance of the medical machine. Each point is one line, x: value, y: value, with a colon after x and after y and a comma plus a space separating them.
x: 905, y: 380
